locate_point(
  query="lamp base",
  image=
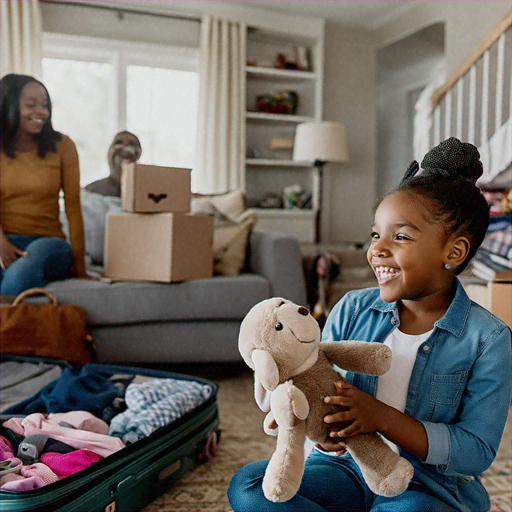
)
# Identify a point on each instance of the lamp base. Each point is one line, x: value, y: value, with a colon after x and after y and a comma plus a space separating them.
x: 317, y: 197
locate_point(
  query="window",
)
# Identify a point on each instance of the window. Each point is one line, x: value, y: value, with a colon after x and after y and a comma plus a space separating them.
x: 99, y: 87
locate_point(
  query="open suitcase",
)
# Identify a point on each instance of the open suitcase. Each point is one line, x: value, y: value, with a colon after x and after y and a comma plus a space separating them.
x: 132, y: 477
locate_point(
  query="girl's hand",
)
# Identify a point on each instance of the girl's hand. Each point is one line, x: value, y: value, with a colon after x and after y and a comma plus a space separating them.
x: 363, y: 410
x: 9, y: 253
x: 333, y: 445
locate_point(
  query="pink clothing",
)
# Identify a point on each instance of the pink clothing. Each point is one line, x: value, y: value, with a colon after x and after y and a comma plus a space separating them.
x: 38, y: 424
x: 21, y: 484
x: 6, y: 449
x: 65, y: 464
x: 82, y: 420
x: 39, y: 470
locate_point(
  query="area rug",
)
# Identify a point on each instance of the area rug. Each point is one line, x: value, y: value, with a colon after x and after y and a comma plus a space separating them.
x: 204, y: 488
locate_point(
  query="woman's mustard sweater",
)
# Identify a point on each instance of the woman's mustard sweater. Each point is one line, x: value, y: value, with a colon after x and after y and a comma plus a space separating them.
x: 29, y: 193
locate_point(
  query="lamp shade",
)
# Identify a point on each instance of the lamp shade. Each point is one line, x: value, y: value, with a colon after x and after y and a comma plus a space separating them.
x: 323, y: 141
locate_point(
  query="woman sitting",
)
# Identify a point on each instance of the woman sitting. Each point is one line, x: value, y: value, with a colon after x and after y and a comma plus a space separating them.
x: 36, y: 163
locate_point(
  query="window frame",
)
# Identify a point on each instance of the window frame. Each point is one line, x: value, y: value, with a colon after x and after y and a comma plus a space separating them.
x: 119, y: 54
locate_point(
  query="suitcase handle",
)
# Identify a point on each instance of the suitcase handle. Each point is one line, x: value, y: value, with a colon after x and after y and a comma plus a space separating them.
x: 35, y: 291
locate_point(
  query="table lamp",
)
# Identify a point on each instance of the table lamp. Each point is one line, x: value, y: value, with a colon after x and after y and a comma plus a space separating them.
x: 320, y: 142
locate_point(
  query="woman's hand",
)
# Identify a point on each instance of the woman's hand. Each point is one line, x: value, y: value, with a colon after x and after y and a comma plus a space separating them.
x: 78, y: 268
x: 9, y: 253
x: 363, y: 410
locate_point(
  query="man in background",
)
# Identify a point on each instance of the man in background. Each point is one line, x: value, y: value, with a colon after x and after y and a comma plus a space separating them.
x: 125, y: 147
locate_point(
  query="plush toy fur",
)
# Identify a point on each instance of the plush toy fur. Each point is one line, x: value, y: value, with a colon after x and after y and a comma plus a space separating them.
x: 280, y: 341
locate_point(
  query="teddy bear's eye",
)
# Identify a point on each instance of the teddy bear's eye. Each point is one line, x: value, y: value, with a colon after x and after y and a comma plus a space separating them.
x: 279, y: 326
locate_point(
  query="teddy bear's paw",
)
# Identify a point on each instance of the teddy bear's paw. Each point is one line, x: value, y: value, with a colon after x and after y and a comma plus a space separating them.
x: 277, y: 492
x: 397, y: 481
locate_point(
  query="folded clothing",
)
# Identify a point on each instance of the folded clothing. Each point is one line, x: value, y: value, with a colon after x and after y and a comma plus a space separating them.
x: 17, y: 483
x: 82, y: 420
x: 6, y: 449
x: 33, y: 424
x: 155, y: 404
x: 69, y: 463
x: 187, y: 393
x: 41, y: 471
x: 77, y: 389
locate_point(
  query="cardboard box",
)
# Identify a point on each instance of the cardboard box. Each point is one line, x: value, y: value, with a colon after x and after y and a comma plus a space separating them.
x: 496, y: 296
x: 151, y: 189
x: 162, y: 247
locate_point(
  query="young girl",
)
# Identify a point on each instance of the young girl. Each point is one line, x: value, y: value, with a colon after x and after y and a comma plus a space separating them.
x: 36, y: 164
x: 444, y: 402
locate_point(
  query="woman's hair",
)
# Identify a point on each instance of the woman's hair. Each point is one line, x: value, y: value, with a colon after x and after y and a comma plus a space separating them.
x: 10, y: 89
x: 448, y: 183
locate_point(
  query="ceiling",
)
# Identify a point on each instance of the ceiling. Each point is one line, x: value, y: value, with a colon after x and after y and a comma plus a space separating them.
x: 364, y: 14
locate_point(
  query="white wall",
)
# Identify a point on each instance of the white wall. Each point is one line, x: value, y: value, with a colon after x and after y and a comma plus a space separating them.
x: 349, y: 97
x: 402, y: 68
x: 467, y: 22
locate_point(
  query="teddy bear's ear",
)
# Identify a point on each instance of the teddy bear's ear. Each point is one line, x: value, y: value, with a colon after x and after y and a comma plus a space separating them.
x: 261, y: 395
x: 265, y: 369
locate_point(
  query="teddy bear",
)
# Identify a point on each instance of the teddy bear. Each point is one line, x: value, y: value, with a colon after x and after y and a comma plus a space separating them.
x: 293, y: 371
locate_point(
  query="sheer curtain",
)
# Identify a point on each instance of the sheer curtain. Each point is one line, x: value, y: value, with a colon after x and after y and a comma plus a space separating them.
x: 221, y: 126
x: 21, y: 28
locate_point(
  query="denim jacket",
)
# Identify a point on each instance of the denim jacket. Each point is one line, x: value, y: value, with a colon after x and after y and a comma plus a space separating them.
x: 460, y: 387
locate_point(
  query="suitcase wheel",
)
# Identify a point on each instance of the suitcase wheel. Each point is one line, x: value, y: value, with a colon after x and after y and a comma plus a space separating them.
x: 211, y: 447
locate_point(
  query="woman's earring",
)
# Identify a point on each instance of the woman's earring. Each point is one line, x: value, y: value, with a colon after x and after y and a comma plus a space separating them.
x: 447, y: 266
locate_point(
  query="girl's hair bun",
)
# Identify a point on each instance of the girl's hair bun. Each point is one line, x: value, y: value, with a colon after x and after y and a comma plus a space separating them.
x: 456, y: 159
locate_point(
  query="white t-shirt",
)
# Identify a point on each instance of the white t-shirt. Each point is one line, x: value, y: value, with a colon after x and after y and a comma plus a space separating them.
x: 393, y: 386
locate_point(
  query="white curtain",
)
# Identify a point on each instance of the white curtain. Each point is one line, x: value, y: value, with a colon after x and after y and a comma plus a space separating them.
x: 221, y: 126
x: 21, y: 42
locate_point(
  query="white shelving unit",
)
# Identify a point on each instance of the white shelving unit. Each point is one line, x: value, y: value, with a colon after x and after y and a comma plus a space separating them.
x: 276, y: 118
x: 285, y: 75
x: 268, y: 170
x: 266, y: 162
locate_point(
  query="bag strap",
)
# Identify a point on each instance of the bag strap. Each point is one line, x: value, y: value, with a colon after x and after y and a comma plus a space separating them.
x: 35, y: 291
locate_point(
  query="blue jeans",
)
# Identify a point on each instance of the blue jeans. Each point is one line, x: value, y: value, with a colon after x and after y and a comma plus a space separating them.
x: 48, y: 259
x: 329, y: 483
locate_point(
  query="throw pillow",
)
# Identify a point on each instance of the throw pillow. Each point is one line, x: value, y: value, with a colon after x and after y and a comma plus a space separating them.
x: 232, y: 226
x: 94, y: 210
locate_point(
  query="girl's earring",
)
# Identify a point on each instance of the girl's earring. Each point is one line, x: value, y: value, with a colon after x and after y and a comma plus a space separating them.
x: 447, y: 266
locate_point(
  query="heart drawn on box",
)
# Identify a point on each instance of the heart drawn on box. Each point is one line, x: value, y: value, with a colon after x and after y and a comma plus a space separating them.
x: 157, y: 197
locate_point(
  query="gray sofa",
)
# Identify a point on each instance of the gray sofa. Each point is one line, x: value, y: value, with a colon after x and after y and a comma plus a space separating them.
x: 193, y: 321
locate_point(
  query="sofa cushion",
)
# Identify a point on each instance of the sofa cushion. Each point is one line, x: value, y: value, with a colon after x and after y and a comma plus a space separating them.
x: 232, y: 226
x: 131, y: 302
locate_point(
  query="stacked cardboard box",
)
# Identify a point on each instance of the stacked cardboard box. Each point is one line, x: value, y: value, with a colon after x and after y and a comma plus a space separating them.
x: 496, y: 295
x: 155, y: 238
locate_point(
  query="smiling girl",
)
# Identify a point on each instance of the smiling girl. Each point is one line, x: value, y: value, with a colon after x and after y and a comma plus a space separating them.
x: 36, y: 164
x: 444, y: 402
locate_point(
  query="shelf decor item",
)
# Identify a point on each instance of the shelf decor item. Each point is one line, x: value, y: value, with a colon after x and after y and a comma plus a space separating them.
x: 320, y: 142
x: 284, y: 102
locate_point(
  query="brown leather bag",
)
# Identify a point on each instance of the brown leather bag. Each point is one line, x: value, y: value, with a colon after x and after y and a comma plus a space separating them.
x: 44, y: 330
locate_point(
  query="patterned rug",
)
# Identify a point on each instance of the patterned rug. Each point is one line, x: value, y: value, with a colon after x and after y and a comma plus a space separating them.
x: 203, y: 489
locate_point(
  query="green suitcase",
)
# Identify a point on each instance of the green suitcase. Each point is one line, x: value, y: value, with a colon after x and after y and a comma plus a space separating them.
x: 134, y: 476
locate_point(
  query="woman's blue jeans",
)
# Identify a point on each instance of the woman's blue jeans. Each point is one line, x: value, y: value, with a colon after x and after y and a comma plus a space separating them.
x: 329, y: 483
x: 48, y: 259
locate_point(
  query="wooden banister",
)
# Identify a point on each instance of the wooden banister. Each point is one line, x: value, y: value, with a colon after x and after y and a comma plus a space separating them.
x: 489, y: 40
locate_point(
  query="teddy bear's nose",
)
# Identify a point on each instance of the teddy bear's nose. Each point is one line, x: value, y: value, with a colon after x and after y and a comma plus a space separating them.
x: 303, y: 311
